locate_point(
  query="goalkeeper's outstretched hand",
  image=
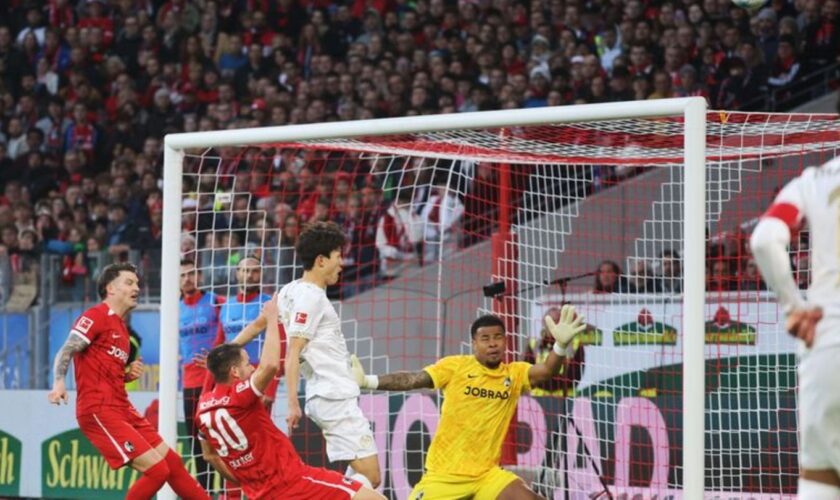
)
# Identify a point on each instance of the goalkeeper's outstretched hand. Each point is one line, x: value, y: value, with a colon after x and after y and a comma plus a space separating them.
x: 567, y: 328
x: 364, y: 381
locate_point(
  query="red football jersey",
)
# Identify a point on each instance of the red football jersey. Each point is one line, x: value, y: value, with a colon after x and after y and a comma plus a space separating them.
x: 100, y: 369
x: 233, y: 420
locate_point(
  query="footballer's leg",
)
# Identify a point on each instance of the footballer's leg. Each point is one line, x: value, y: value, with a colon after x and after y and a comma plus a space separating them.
x: 366, y: 493
x: 819, y: 422
x: 368, y: 467
x: 502, y: 484
x: 517, y: 490
x: 348, y: 436
x: 324, y: 484
x: 181, y: 481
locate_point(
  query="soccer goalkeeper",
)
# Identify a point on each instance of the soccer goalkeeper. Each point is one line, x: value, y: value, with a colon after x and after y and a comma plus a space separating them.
x: 480, y: 395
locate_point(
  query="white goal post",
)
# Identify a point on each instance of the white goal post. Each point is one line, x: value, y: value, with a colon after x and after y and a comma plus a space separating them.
x: 691, y: 110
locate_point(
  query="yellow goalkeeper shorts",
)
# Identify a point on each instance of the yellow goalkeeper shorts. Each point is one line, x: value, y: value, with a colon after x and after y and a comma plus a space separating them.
x: 487, y: 486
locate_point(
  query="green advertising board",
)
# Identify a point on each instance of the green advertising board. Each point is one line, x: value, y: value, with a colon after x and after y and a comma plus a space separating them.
x: 10, y: 459
x: 72, y: 468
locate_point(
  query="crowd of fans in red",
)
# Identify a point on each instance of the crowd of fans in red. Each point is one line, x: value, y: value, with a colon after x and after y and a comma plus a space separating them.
x: 89, y: 87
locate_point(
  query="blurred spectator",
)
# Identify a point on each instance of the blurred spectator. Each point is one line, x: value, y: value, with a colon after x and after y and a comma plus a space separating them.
x: 398, y: 233
x: 670, y: 272
x: 441, y: 216
x: 608, y: 278
x: 640, y: 278
x: 538, y: 349
x: 719, y: 277
x: 750, y: 278
x: 786, y: 63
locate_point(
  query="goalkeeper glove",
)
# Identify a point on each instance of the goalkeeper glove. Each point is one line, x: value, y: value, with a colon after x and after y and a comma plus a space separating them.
x: 365, y: 381
x: 565, y: 330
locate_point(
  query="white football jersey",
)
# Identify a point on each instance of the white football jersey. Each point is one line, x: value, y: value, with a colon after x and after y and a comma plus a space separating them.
x: 306, y: 312
x: 814, y: 198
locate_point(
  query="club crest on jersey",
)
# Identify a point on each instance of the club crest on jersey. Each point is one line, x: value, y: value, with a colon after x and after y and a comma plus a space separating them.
x: 300, y: 318
x: 419, y: 495
x: 84, y: 324
x: 128, y: 446
x: 507, y: 382
x: 242, y: 386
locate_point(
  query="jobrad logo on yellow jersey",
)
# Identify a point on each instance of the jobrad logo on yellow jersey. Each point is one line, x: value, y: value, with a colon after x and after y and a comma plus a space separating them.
x: 480, y: 392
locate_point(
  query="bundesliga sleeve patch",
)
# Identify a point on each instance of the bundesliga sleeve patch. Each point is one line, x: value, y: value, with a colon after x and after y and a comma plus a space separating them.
x: 84, y: 324
x: 300, y: 318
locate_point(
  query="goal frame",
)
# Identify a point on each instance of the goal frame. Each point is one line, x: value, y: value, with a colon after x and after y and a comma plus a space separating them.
x: 693, y: 111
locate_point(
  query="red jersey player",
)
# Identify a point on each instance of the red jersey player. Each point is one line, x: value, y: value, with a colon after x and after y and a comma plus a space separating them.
x: 240, y: 440
x: 98, y: 344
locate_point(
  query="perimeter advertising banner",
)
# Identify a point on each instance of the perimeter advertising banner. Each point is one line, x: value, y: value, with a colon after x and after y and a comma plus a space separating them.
x: 622, y: 431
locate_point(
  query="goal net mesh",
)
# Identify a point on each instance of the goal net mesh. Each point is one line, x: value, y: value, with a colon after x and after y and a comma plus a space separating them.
x: 585, y: 213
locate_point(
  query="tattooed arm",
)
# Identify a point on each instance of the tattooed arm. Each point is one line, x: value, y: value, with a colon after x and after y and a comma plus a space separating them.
x: 74, y: 344
x: 405, y: 381
x: 399, y: 381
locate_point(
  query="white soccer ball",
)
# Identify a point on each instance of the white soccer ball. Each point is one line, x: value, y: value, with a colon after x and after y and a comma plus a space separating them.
x: 750, y: 5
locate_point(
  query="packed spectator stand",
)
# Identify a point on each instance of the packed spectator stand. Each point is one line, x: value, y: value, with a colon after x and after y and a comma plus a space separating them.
x: 88, y: 88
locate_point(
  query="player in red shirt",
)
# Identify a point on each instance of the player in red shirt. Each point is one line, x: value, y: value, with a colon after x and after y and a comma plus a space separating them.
x: 241, y: 441
x: 98, y: 344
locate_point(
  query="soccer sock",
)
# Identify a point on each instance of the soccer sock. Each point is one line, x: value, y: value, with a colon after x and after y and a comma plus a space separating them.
x: 358, y: 476
x: 149, y: 483
x: 181, y: 481
x: 813, y: 490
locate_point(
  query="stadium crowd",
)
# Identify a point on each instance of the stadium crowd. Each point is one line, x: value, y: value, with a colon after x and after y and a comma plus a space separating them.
x: 89, y: 87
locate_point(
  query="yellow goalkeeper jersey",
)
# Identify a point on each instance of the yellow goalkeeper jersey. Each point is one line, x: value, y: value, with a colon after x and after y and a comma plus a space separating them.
x: 477, y: 407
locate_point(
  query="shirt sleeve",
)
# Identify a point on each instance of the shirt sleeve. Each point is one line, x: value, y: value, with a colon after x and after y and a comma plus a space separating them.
x: 789, y: 205
x: 88, y: 325
x: 519, y: 370
x: 443, y: 371
x: 304, y: 317
x: 244, y: 394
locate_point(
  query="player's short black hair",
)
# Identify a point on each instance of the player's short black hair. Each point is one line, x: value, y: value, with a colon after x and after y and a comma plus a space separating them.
x: 109, y: 274
x: 187, y: 262
x: 318, y: 238
x: 221, y: 358
x: 484, y: 321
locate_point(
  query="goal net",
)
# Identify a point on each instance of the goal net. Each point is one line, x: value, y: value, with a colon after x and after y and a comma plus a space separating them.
x: 516, y: 213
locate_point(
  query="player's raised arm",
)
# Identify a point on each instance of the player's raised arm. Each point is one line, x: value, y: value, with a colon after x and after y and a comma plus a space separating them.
x: 270, y: 355
x: 74, y: 344
x: 399, y: 381
x: 564, y: 332
x: 251, y: 330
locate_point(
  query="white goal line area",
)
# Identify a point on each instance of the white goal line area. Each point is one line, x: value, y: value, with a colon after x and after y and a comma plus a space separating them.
x: 697, y: 171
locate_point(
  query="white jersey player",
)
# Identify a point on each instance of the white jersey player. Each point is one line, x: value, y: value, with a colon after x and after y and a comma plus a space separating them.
x: 313, y: 330
x: 813, y: 198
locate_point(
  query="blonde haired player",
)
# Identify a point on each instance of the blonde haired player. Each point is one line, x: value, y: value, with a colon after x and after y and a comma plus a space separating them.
x: 480, y: 395
x: 813, y: 197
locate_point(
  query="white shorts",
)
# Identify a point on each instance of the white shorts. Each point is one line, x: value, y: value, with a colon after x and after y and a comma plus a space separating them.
x: 819, y: 409
x: 346, y: 430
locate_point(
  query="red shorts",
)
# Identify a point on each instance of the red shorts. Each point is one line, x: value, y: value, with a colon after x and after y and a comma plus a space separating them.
x: 120, y: 434
x: 314, y: 482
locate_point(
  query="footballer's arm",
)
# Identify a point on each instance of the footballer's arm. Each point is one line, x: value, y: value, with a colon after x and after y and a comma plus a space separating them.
x: 213, y: 458
x: 75, y: 343
x: 398, y: 381
x: 251, y: 330
x: 270, y: 355
x: 296, y: 346
x: 542, y: 372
